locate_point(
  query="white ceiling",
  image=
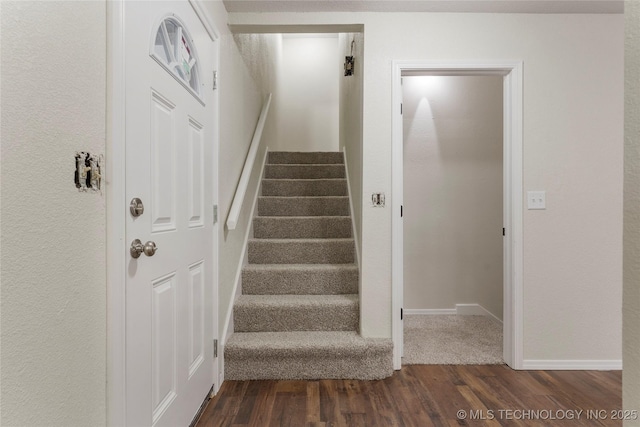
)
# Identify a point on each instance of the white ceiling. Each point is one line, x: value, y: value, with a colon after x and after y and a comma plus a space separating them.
x: 476, y: 6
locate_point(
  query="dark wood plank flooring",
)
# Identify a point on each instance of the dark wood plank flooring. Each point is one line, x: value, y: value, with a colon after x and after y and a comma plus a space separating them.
x: 423, y: 396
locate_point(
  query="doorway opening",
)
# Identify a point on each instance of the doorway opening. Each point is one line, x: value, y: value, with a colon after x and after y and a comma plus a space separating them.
x: 507, y: 304
x: 452, y: 213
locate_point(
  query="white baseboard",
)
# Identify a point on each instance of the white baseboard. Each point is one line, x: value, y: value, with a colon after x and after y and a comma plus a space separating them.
x: 475, y: 310
x: 228, y: 325
x: 572, y: 365
x: 428, y: 311
x: 353, y: 218
x: 460, y: 310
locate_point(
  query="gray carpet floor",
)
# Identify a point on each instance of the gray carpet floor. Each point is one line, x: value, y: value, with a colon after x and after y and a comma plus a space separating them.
x: 452, y: 340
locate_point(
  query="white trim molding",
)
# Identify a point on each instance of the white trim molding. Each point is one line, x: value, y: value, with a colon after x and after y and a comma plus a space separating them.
x: 460, y: 310
x: 475, y: 310
x: 116, y: 206
x: 512, y: 71
x: 429, y: 311
x: 353, y: 219
x: 115, y: 189
x: 572, y: 365
x: 206, y: 20
x: 237, y: 285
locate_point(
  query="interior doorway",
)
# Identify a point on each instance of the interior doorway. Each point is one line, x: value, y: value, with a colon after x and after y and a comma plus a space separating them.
x: 452, y: 219
x: 511, y: 77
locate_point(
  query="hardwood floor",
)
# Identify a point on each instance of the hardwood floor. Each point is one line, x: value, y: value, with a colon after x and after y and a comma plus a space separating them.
x: 426, y: 395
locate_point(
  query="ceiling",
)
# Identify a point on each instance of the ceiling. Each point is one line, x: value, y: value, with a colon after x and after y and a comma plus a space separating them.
x: 473, y: 6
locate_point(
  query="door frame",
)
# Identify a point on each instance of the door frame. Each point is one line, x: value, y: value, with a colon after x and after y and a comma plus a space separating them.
x: 117, y: 206
x: 513, y: 201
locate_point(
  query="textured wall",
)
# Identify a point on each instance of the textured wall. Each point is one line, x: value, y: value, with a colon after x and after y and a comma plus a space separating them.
x: 573, y: 121
x: 247, y: 74
x: 351, y: 122
x: 452, y: 192
x: 307, y: 106
x: 53, y: 65
x: 631, y: 373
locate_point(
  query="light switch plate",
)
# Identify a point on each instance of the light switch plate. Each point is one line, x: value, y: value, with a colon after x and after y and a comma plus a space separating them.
x: 536, y: 199
x: 377, y: 200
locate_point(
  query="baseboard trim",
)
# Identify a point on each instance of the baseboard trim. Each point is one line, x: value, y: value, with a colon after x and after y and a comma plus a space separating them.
x: 353, y: 219
x: 428, y: 311
x: 460, y: 310
x: 475, y: 310
x: 228, y: 324
x: 572, y: 365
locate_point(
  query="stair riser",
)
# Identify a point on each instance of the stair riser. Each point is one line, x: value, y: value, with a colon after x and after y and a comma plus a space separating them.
x: 329, y: 187
x: 299, y: 282
x: 281, y: 157
x: 300, y: 228
x: 301, y: 252
x: 372, y: 367
x: 304, y: 171
x: 303, y: 206
x: 342, y: 317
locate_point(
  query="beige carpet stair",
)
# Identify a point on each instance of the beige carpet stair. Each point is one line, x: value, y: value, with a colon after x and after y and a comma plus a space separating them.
x: 300, y: 279
x: 301, y: 227
x: 298, y: 315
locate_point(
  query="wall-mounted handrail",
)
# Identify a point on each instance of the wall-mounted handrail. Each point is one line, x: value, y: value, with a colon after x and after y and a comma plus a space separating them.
x: 238, y: 199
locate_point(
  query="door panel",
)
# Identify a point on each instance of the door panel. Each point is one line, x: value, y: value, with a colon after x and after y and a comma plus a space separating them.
x: 163, y: 357
x: 163, y: 169
x: 196, y: 316
x: 196, y: 175
x: 169, y: 158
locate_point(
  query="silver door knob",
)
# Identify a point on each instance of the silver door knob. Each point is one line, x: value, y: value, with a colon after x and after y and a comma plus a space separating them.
x: 150, y: 248
x: 137, y: 248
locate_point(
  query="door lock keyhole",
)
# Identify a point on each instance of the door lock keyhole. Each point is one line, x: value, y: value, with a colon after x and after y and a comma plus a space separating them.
x: 136, y: 207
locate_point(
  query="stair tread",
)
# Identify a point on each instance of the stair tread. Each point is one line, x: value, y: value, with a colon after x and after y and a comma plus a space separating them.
x: 296, y: 300
x: 304, y: 197
x: 304, y: 179
x: 301, y: 267
x: 309, y: 217
x: 307, y: 239
x: 305, y: 157
x: 304, y: 164
x: 305, y: 341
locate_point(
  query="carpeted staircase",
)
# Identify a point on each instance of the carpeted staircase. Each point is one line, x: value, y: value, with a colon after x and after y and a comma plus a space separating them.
x: 298, y: 315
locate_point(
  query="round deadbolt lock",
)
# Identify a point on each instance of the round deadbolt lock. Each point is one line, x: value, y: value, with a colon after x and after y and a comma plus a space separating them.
x: 136, y: 207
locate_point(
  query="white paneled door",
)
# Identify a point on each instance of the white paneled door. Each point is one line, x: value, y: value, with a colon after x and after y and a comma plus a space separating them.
x: 169, y: 157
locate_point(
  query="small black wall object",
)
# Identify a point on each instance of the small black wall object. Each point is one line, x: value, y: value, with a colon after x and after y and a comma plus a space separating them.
x: 349, y: 62
x: 348, y: 65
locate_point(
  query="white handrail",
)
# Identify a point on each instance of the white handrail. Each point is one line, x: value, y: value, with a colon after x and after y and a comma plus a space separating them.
x: 238, y: 199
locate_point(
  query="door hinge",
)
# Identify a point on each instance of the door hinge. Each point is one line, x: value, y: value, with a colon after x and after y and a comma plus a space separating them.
x: 215, y: 214
x: 504, y: 232
x: 215, y: 348
x: 401, y: 211
x: 401, y: 108
x: 401, y: 314
x: 215, y: 80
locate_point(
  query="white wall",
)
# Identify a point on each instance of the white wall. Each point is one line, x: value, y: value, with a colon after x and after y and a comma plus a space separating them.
x: 631, y: 373
x: 53, y: 77
x: 307, y: 99
x: 452, y: 192
x: 247, y: 74
x: 350, y: 110
x: 573, y: 120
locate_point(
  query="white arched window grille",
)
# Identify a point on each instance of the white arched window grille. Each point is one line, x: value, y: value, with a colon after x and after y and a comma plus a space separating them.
x: 173, y: 48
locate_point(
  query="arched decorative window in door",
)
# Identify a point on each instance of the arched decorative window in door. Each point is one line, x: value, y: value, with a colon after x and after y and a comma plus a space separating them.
x: 173, y: 48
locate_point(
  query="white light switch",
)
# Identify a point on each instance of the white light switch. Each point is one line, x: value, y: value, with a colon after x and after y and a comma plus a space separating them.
x: 536, y: 199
